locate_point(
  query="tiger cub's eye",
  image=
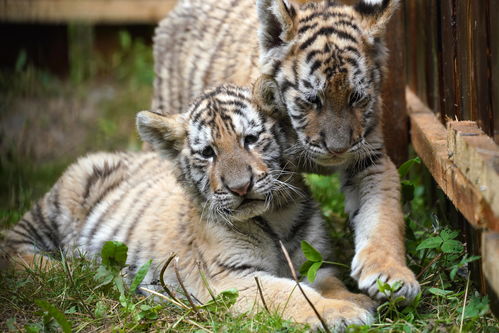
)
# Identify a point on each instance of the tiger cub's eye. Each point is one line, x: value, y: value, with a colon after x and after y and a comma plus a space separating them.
x: 250, y: 139
x: 358, y: 100
x: 316, y: 100
x: 208, y: 152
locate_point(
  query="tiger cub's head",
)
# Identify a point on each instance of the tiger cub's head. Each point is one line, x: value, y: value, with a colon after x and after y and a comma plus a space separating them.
x: 228, y: 152
x: 326, y: 60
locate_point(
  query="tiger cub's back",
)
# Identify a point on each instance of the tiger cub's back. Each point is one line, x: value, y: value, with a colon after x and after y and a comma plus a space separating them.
x: 200, y: 44
x: 101, y: 197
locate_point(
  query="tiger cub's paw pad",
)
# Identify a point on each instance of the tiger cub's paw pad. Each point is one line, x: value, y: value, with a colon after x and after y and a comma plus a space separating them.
x: 364, y: 301
x: 338, y: 315
x: 373, y: 268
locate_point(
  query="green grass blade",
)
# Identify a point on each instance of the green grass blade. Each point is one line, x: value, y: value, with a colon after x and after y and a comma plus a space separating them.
x: 139, y: 277
x: 56, y: 314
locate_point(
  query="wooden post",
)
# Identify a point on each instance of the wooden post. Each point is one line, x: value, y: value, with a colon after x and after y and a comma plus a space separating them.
x: 395, y: 123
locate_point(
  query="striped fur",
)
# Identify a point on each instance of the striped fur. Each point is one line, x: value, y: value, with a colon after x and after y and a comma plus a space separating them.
x: 196, y: 204
x: 320, y: 63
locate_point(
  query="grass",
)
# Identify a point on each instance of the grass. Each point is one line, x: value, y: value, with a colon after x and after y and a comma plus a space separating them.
x: 83, y: 296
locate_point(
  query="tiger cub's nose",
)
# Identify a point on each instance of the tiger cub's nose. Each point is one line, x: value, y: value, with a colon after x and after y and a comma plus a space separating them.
x: 240, y: 190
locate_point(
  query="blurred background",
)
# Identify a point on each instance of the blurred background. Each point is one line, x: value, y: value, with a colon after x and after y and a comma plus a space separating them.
x: 71, y: 80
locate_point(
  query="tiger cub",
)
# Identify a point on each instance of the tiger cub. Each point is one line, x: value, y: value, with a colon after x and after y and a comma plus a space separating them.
x: 222, y: 201
x: 323, y: 63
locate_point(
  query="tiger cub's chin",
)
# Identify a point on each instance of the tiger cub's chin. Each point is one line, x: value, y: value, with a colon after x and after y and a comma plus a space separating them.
x: 249, y: 209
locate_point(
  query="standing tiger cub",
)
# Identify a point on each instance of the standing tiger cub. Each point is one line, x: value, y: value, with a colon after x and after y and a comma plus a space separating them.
x: 322, y: 63
x: 223, y: 199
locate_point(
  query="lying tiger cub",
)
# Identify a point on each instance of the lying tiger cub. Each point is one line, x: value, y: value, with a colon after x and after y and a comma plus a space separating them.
x: 223, y: 199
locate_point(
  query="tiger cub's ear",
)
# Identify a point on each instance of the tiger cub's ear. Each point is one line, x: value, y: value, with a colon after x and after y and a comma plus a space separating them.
x: 166, y: 134
x: 267, y: 97
x: 276, y: 26
x: 376, y: 14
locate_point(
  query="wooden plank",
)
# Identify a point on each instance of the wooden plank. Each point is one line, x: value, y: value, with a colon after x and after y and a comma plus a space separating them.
x: 490, y: 266
x: 477, y: 156
x: 493, y: 46
x: 93, y: 11
x: 430, y: 61
x: 429, y: 138
x: 463, y: 60
x: 450, y: 102
x: 481, y: 65
x: 422, y: 49
x: 396, y: 125
x: 411, y: 20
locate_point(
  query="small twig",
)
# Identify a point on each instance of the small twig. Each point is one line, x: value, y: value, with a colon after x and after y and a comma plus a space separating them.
x: 434, y: 260
x: 335, y: 263
x: 162, y: 281
x: 182, y: 318
x: 464, y: 303
x: 179, y: 304
x: 197, y: 325
x: 187, y: 295
x: 261, y: 294
x: 295, y: 277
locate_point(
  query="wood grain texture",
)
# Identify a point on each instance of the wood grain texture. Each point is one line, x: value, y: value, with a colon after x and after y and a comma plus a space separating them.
x: 96, y: 11
x: 452, y: 58
x: 429, y: 138
x: 395, y: 121
x: 477, y: 156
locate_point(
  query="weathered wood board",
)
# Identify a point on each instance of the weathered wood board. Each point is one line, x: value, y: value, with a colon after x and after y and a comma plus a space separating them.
x: 464, y: 163
x: 90, y: 11
x: 430, y: 140
x: 477, y: 156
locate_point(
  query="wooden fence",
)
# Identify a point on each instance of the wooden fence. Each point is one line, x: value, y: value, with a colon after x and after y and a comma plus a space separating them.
x: 453, y: 58
x: 449, y: 49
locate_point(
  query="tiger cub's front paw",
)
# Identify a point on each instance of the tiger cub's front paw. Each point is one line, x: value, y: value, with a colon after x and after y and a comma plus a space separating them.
x: 373, y: 264
x: 338, y: 314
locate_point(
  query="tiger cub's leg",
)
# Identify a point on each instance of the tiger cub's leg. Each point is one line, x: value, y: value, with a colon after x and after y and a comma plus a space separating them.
x: 22, y: 260
x: 34, y: 237
x: 373, y: 202
x: 282, y: 296
x: 329, y: 286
